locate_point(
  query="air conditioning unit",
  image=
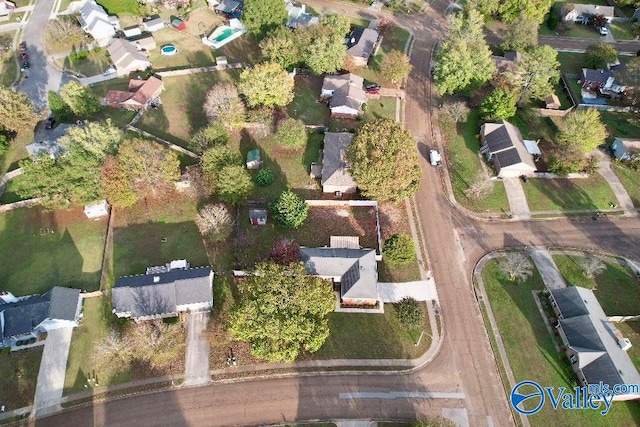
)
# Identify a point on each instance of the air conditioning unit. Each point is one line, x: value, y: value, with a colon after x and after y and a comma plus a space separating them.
x: 625, y: 344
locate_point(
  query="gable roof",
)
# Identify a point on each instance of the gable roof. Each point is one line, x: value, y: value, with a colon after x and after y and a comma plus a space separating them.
x: 228, y: 6
x: 592, y: 10
x: 361, y: 41
x: 24, y: 315
x: 124, y: 53
x: 596, y: 76
x: 298, y: 17
x: 153, y: 20
x: 95, y: 20
x: 140, y: 92
x: 161, y: 293
x: 504, y: 141
x: 355, y: 269
x: 508, y: 62
x: 347, y: 90
x: 334, y: 165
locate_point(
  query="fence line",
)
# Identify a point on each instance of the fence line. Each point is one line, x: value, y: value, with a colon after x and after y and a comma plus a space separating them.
x: 21, y: 204
x: 372, y: 203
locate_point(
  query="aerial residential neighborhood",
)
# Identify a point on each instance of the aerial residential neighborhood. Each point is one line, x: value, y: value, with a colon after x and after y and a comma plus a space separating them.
x: 278, y: 212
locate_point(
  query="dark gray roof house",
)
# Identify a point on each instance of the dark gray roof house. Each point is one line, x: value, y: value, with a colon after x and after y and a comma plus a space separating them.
x: 335, y: 170
x: 594, y: 346
x: 361, y: 43
x: 31, y: 315
x: 503, y: 144
x: 163, y: 292
x: 355, y: 270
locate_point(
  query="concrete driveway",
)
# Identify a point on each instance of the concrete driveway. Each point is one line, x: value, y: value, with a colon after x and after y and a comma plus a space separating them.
x: 197, y: 355
x: 423, y: 290
x: 41, y: 76
x: 52, y: 372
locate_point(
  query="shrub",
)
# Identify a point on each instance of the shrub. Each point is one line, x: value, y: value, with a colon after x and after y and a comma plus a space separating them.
x: 264, y: 177
x: 289, y: 210
x: 234, y: 184
x: 399, y: 249
x: 4, y: 143
x: 292, y: 133
x: 409, y: 313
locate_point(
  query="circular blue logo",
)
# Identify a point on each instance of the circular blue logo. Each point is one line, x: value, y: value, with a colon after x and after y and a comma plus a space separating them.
x: 530, y: 392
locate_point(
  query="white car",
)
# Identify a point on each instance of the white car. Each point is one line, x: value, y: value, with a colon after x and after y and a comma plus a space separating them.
x: 604, y: 31
x: 434, y: 158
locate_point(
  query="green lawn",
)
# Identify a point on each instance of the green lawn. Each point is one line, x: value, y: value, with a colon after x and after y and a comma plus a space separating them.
x: 383, y: 108
x: 154, y: 232
x: 16, y: 152
x: 96, y: 63
x: 8, y: 67
x: 10, y: 195
x: 532, y: 355
x: 578, y: 30
x: 371, y: 336
x: 622, y: 30
x: 631, y: 330
x: 630, y: 180
x: 115, y: 7
x: 571, y: 62
x: 624, y: 125
x: 569, y: 194
x: 17, y: 392
x: 464, y: 164
x: 396, y: 39
x: 70, y: 256
x: 305, y: 106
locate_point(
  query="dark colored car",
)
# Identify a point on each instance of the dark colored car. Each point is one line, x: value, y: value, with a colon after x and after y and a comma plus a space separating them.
x: 23, y: 46
x: 372, y: 87
x: 49, y: 123
x: 24, y: 56
x: 26, y: 65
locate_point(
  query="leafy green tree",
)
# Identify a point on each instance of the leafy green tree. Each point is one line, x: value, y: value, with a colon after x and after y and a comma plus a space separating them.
x: 261, y: 16
x: 115, y: 185
x: 99, y: 139
x: 409, y: 313
x: 149, y: 165
x: 536, y: 10
x: 223, y: 105
x: 599, y: 55
x: 384, y: 161
x: 59, y: 109
x: 234, y: 184
x: 537, y: 72
x: 282, y: 311
x: 266, y: 84
x: 215, y: 159
x: 292, y: 133
x: 209, y: 136
x: 289, y: 210
x: 565, y: 160
x: 80, y: 99
x: 322, y: 48
x: 399, y: 249
x: 582, y: 128
x: 282, y: 47
x: 521, y: 34
x: 464, y: 59
x: 339, y: 23
x: 486, y: 8
x: 16, y: 110
x: 4, y: 143
x: 499, y: 105
x: 395, y: 67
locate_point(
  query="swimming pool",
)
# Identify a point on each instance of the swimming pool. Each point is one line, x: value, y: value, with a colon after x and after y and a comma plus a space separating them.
x: 168, y: 50
x: 224, y: 34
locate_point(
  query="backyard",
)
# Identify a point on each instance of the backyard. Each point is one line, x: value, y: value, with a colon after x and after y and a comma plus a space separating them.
x: 532, y: 354
x: 95, y: 63
x: 8, y: 66
x: 60, y: 248
x: 305, y: 105
x: 563, y: 194
x: 18, y: 377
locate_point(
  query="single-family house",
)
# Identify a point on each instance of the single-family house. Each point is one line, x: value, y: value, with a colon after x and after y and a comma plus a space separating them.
x: 508, y: 62
x: 582, y: 13
x: 95, y: 21
x: 353, y: 272
x: 253, y: 159
x: 6, y: 8
x: 626, y: 149
x: 258, y: 216
x: 345, y: 94
x: 126, y: 57
x: 335, y: 168
x: 600, y: 81
x: 230, y: 8
x: 153, y: 23
x: 49, y: 145
x: 25, y: 318
x: 96, y: 209
x: 163, y: 291
x: 298, y: 17
x: 361, y: 45
x: 140, y: 94
x: 503, y: 144
x: 595, y: 348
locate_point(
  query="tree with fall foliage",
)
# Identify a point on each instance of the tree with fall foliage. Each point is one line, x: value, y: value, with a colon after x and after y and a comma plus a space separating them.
x: 16, y: 110
x: 395, y: 67
x: 148, y: 165
x: 266, y: 84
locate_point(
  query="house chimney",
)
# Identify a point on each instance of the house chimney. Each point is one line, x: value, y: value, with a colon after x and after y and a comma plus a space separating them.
x: 156, y: 279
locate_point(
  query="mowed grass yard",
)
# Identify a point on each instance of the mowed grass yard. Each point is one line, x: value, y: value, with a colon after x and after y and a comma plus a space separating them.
x: 116, y: 7
x: 562, y: 194
x: 631, y: 330
x: 46, y: 249
x: 630, y: 180
x: 395, y: 39
x: 532, y: 355
x: 616, y: 287
x: 305, y: 105
x: 17, y: 392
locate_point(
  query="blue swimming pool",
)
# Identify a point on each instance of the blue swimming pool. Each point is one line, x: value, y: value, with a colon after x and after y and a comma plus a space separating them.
x: 168, y: 50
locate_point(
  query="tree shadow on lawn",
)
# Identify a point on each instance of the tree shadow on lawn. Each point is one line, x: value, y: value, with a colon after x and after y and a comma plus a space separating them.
x: 563, y: 194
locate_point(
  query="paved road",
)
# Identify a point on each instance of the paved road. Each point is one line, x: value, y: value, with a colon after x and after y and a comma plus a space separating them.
x: 197, y: 354
x: 42, y: 77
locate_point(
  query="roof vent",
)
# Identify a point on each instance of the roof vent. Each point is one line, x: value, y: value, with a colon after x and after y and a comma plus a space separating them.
x: 353, y: 39
x: 156, y: 279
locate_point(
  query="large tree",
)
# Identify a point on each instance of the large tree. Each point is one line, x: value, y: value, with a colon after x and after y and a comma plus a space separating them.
x: 464, y: 59
x: 282, y: 46
x: 261, y: 16
x: 582, y: 128
x: 536, y: 10
x: 499, y: 105
x: 536, y: 73
x: 148, y: 164
x: 384, y: 161
x: 292, y: 133
x: 599, y: 55
x: 282, y: 311
x: 215, y: 159
x: 115, y: 185
x: 395, y: 67
x: 521, y: 34
x: 16, y: 110
x: 266, y: 84
x: 322, y: 48
x: 209, y: 136
x: 234, y: 184
x: 630, y: 77
x: 289, y: 209
x: 224, y: 106
x: 80, y: 99
x: 100, y: 139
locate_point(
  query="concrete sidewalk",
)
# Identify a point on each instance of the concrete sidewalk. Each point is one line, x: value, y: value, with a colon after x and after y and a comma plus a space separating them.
x: 604, y: 169
x: 197, y: 355
x: 547, y: 268
x: 517, y: 199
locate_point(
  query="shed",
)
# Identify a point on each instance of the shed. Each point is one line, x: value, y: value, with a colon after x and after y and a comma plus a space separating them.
x: 153, y: 23
x: 552, y: 102
x: 258, y: 216
x: 97, y: 209
x: 132, y: 31
x: 178, y: 24
x: 253, y: 159
x: 532, y: 148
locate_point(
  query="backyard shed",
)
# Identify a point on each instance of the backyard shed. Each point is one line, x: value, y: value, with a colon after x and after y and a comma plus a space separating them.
x: 97, y: 209
x: 552, y: 102
x: 253, y: 159
x: 132, y: 31
x: 153, y: 23
x: 258, y: 216
x: 178, y: 24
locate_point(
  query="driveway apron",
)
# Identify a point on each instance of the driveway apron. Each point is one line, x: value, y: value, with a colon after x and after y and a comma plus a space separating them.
x: 517, y: 199
x: 197, y: 354
x: 547, y: 268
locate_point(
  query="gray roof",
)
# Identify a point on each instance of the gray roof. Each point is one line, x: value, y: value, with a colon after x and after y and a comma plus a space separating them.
x: 23, y: 316
x: 347, y: 90
x: 257, y: 213
x: 623, y: 147
x: 153, y: 20
x: 355, y: 269
x: 596, y: 76
x: 334, y: 165
x: 590, y: 334
x: 228, y: 6
x: 592, y: 9
x: 504, y: 141
x: 161, y: 293
x: 361, y: 42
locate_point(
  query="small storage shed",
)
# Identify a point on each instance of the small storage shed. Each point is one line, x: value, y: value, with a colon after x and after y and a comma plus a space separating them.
x: 178, y: 24
x: 153, y: 23
x: 132, y: 31
x: 552, y: 102
x: 258, y: 216
x: 253, y: 159
x: 97, y: 209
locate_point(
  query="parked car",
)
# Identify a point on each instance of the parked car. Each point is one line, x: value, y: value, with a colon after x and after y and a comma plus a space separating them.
x: 372, y: 86
x: 49, y: 123
x: 23, y: 46
x: 604, y: 31
x: 434, y: 158
x: 26, y: 65
x: 24, y: 56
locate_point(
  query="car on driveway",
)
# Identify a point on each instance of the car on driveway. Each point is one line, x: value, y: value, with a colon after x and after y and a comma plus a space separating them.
x: 49, y: 123
x: 373, y: 89
x: 26, y: 65
x: 604, y: 31
x: 23, y: 46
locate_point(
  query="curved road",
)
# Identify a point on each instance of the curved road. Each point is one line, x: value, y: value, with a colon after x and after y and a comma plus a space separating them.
x: 464, y: 370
